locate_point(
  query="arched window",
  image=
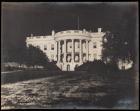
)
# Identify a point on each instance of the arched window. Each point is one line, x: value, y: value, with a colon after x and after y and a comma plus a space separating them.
x: 76, y: 58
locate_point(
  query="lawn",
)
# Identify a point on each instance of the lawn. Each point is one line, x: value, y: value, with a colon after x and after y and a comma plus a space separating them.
x: 43, y: 89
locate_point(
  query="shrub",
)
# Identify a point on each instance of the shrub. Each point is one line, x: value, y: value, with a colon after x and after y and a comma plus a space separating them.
x: 112, y: 67
x: 83, y: 67
x: 97, y: 66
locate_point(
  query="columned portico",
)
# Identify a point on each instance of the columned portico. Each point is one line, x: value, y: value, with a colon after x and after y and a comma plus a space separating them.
x: 68, y: 50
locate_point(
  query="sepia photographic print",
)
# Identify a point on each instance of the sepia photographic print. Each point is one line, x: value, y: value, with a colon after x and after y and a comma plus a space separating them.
x: 69, y: 55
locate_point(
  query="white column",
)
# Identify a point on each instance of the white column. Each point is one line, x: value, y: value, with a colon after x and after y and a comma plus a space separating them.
x: 58, y: 51
x: 87, y: 50
x: 80, y: 56
x: 64, y: 51
x: 72, y: 50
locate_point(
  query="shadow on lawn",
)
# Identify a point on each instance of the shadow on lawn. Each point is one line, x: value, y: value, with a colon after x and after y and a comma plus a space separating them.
x: 120, y: 87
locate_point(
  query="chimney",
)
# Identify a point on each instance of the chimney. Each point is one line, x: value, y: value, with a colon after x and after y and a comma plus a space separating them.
x: 99, y: 30
x: 53, y: 32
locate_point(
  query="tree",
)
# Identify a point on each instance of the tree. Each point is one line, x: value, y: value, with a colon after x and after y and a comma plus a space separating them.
x: 110, y: 47
x: 34, y: 56
x: 30, y: 56
x: 121, y: 43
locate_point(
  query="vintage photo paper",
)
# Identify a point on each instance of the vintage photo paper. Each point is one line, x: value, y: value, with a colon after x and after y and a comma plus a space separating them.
x: 69, y: 55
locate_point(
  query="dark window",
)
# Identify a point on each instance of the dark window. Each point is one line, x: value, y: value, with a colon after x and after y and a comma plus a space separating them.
x: 70, y: 45
x: 78, y: 45
x: 76, y: 66
x: 68, y: 67
x: 45, y: 47
x: 94, y: 45
x: 123, y: 67
x: 52, y: 47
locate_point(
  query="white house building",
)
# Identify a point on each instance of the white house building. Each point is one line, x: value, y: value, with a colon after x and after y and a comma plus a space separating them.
x: 70, y: 48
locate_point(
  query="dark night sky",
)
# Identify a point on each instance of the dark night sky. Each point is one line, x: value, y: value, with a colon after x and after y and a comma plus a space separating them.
x: 19, y: 20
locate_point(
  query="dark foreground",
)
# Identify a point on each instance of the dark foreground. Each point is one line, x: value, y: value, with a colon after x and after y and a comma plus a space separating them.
x: 68, y: 90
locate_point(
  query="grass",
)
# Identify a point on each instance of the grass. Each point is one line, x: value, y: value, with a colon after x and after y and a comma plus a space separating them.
x: 26, y: 75
x: 72, y: 89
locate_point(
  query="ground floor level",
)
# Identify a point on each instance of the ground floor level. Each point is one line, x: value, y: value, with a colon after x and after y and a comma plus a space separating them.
x: 69, y: 66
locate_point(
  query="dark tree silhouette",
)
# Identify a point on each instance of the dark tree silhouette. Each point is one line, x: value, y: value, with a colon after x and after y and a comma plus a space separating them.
x: 110, y: 47
x: 118, y: 46
x: 98, y: 67
x: 30, y: 56
x: 121, y: 41
x: 34, y: 56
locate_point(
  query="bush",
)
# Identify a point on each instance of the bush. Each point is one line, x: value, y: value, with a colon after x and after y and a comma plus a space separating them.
x: 97, y: 66
x: 112, y: 67
x: 83, y: 67
x: 52, y: 66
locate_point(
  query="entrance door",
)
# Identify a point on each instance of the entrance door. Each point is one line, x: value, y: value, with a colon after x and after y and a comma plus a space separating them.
x: 68, y: 67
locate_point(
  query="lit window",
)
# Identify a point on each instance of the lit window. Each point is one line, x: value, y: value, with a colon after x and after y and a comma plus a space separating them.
x: 52, y: 47
x: 68, y: 31
x: 95, y: 56
x: 45, y: 47
x: 76, y: 31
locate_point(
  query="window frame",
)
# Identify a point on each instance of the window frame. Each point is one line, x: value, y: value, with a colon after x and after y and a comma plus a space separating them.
x: 45, y: 47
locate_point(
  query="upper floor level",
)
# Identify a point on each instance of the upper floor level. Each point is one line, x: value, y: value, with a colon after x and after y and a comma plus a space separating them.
x: 79, y: 34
